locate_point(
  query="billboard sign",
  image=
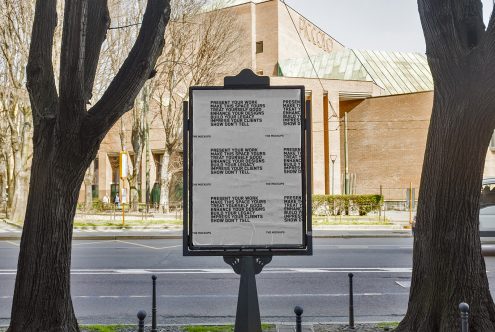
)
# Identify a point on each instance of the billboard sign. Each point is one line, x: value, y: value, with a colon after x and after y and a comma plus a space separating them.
x: 246, y: 170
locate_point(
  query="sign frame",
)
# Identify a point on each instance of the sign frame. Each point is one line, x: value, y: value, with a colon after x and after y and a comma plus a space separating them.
x: 247, y: 80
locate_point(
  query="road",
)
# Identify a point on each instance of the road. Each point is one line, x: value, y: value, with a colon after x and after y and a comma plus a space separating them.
x: 111, y: 281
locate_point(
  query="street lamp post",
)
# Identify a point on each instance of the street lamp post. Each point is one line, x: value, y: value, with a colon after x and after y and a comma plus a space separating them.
x: 333, y: 157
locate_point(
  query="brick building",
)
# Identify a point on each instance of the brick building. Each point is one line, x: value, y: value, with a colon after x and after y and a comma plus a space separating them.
x: 387, y: 97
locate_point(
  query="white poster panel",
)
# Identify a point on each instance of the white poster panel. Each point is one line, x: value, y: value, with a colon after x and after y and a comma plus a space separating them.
x: 246, y: 168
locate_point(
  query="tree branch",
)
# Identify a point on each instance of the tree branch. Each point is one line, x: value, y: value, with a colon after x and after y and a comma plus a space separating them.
x: 122, y: 91
x: 72, y: 102
x: 98, y: 23
x: 40, y: 77
x: 451, y: 28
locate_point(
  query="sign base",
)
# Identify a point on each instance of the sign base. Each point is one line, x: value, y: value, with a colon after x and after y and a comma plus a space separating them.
x: 248, y: 312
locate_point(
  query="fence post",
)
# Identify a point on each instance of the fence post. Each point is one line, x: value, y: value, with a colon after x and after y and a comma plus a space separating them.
x: 298, y: 311
x: 351, y: 302
x: 153, y: 307
x: 464, y: 308
x: 380, y: 208
x: 141, y: 315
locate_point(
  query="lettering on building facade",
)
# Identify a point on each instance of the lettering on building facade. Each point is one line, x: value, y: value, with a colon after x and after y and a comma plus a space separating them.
x: 315, y: 35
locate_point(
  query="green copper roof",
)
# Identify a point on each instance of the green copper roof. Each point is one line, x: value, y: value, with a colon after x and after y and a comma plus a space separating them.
x: 395, y: 72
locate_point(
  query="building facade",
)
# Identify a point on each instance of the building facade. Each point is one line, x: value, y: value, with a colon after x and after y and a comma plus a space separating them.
x: 370, y: 109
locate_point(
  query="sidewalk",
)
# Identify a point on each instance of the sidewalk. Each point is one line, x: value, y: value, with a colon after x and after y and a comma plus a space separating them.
x: 10, y: 231
x: 398, y: 219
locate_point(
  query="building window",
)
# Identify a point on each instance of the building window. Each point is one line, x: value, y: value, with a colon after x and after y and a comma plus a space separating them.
x: 259, y: 47
x: 158, y: 159
x: 94, y: 185
x: 114, y: 163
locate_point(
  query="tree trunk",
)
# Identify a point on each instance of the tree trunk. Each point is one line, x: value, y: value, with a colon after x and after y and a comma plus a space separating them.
x: 45, y: 251
x: 137, y: 140
x: 448, y: 267
x: 21, y: 177
x: 165, y: 182
x: 3, y: 184
x: 19, y: 200
x: 88, y: 187
x: 133, y: 181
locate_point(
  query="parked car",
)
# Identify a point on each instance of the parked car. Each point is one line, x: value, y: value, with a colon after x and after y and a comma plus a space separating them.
x: 487, y: 210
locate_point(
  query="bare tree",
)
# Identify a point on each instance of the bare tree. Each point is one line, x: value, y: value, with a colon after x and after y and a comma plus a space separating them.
x: 448, y: 267
x: 15, y: 25
x: 66, y: 139
x: 201, y: 40
x: 121, y: 36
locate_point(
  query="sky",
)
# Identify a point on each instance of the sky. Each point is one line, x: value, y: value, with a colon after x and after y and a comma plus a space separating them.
x: 388, y: 25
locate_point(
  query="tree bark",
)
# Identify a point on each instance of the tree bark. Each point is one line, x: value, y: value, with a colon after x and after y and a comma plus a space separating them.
x: 448, y: 267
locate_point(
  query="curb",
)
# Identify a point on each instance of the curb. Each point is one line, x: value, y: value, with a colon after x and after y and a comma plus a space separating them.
x: 10, y: 223
x: 179, y: 237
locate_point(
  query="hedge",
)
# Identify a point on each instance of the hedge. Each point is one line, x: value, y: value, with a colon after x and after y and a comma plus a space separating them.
x: 329, y: 205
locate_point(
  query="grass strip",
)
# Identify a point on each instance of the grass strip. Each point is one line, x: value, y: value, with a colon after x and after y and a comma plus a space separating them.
x: 118, y: 223
x: 104, y: 328
x: 391, y: 325
x: 221, y: 328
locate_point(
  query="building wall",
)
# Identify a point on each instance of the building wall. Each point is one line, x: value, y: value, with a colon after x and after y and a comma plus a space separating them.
x: 386, y: 142
x: 245, y: 56
x: 387, y: 135
x: 266, y: 25
x: 293, y: 27
x: 321, y: 170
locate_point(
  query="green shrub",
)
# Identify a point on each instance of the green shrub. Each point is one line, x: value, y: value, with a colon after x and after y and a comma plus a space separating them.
x: 97, y: 205
x: 329, y: 205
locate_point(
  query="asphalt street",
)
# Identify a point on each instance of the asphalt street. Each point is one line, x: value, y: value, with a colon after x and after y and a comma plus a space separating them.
x: 111, y: 281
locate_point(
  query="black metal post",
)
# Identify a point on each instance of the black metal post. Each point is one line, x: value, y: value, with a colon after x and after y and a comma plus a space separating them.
x: 141, y: 316
x: 298, y: 311
x: 247, y: 317
x: 464, y: 308
x: 153, y: 307
x: 351, y: 303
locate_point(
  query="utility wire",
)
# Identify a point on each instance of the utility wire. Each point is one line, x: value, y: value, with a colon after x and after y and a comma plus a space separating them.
x: 124, y: 26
